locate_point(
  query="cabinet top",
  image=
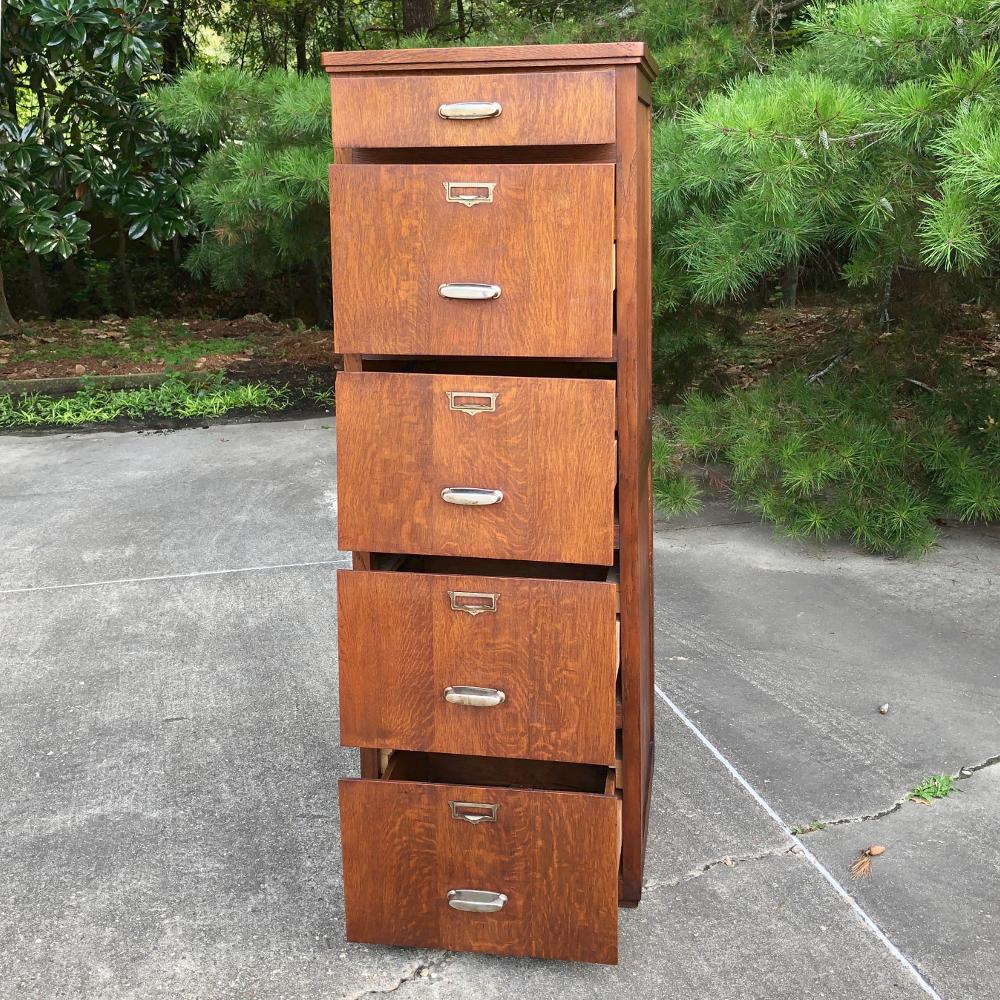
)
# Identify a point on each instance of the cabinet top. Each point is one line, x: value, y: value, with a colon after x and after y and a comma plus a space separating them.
x: 491, y: 57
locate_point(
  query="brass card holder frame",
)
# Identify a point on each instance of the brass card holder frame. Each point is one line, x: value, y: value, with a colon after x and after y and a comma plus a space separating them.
x: 451, y: 189
x: 475, y: 812
x: 472, y: 603
x: 475, y: 402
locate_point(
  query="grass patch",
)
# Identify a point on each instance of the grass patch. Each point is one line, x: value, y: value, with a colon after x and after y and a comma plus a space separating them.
x: 177, y: 397
x: 173, y: 351
x: 814, y: 827
x: 938, y: 786
x: 872, y: 459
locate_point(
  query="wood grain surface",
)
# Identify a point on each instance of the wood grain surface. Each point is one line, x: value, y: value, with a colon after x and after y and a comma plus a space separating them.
x: 538, y: 109
x: 634, y: 400
x: 396, y: 239
x: 549, y: 645
x: 553, y: 854
x: 549, y: 447
x: 491, y: 57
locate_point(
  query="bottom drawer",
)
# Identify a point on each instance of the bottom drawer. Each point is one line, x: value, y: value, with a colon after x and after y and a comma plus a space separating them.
x: 484, y: 854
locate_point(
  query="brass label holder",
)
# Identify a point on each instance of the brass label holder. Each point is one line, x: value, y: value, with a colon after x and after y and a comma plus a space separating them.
x: 472, y: 402
x: 453, y: 192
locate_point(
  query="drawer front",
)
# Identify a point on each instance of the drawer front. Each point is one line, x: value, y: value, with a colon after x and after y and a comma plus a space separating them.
x: 496, y: 109
x: 534, y: 242
x: 538, y: 456
x: 553, y: 855
x: 539, y: 654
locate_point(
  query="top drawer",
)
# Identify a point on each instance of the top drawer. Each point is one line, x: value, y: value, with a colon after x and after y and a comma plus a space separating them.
x: 496, y: 109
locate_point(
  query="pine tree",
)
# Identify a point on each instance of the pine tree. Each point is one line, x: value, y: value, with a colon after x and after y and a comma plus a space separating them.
x: 879, y: 139
x: 261, y: 192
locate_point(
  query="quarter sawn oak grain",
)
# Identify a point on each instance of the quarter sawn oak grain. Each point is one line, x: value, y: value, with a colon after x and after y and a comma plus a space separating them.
x: 538, y: 109
x: 553, y: 854
x: 549, y: 645
x: 546, y: 240
x: 549, y: 447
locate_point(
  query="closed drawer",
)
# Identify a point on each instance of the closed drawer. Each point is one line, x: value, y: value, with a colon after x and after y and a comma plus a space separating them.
x: 532, y: 243
x: 482, y: 466
x: 495, y: 666
x: 432, y: 860
x: 495, y: 109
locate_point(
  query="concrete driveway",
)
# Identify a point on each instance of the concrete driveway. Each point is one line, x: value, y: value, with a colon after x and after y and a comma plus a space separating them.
x: 169, y: 756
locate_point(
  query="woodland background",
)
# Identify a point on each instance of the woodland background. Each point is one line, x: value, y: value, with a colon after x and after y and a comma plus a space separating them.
x: 826, y: 220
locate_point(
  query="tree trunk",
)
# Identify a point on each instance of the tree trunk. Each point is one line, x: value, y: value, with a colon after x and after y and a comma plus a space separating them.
x: 290, y: 286
x: 418, y: 15
x: 341, y: 38
x: 321, y: 301
x: 74, y: 280
x: 174, y: 56
x: 300, y: 27
x: 126, y: 273
x: 461, y: 18
x: 884, y: 319
x: 38, y: 288
x: 7, y: 322
x: 790, y: 283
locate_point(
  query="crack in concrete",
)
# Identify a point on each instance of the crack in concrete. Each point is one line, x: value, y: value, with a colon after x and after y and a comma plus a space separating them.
x: 963, y: 773
x: 728, y: 861
x: 663, y: 526
x: 421, y: 970
x: 970, y: 769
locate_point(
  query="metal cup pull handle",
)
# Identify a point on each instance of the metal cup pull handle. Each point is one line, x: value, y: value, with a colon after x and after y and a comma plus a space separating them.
x: 472, y: 603
x: 475, y: 812
x: 471, y: 496
x: 476, y: 697
x: 476, y: 900
x: 464, y: 111
x: 469, y: 291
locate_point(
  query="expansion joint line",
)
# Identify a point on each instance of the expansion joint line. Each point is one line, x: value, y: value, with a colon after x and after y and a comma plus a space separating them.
x: 811, y: 858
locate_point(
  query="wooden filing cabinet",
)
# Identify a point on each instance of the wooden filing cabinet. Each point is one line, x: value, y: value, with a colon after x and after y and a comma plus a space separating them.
x: 490, y: 223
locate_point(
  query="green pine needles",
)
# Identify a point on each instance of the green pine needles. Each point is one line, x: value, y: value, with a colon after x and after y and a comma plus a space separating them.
x: 876, y: 143
x: 871, y: 461
x: 261, y: 191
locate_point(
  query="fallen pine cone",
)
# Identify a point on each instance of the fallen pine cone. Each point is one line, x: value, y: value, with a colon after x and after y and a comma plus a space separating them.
x: 861, y: 867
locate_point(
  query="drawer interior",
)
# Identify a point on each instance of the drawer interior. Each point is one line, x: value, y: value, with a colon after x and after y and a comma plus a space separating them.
x: 517, y: 367
x: 498, y: 772
x: 460, y: 565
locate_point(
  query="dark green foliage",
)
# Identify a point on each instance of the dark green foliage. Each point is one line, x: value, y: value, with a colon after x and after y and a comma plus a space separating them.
x: 876, y: 460
x: 178, y: 397
x: 261, y: 193
x: 76, y: 133
x: 876, y: 143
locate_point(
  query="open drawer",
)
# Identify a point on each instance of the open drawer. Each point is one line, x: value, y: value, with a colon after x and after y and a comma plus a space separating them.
x: 473, y: 259
x: 487, y: 664
x: 490, y: 467
x: 476, y: 854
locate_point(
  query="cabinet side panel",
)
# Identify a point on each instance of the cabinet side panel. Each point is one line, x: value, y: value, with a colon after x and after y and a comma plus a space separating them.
x: 634, y: 317
x: 369, y: 759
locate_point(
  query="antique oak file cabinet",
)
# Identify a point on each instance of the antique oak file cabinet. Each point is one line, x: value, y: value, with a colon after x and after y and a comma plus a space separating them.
x: 490, y: 219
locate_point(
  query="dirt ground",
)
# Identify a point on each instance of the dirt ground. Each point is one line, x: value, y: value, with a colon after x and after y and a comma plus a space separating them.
x: 252, y: 347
